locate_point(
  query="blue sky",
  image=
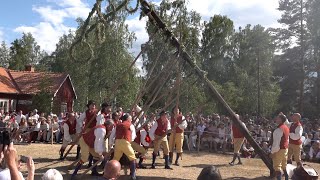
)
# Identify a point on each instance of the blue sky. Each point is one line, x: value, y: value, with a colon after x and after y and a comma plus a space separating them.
x: 47, y: 20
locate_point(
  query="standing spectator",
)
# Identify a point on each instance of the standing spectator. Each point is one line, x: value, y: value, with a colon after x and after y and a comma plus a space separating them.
x: 20, y: 116
x: 35, y: 114
x: 54, y: 129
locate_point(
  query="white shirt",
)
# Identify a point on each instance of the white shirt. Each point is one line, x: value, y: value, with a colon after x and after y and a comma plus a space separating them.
x: 19, y: 117
x: 66, y: 134
x: 5, y: 174
x: 154, y: 128
x: 297, y: 132
x: 307, y: 142
x: 277, y: 134
x: 184, y: 124
x: 37, y: 127
x: 100, y: 133
x: 80, y: 121
x: 143, y: 135
x: 200, y: 129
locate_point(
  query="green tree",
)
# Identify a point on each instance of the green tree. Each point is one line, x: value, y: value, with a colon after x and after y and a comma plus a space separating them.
x: 24, y: 51
x: 4, y: 55
x: 216, y: 49
x: 293, y: 43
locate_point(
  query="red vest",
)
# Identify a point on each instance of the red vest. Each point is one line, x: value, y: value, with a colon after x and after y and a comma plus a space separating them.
x: 284, y: 143
x: 72, y: 127
x: 179, y: 120
x: 162, y: 127
x: 91, y: 115
x: 292, y: 130
x: 236, y: 132
x: 123, y: 131
x: 89, y: 136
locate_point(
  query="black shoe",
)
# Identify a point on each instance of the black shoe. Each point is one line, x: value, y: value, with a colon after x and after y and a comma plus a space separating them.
x: 231, y: 163
x: 153, y: 166
x: 176, y: 163
x: 239, y: 163
x: 167, y: 167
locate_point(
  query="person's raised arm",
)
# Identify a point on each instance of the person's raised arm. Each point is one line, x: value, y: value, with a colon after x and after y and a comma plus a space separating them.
x: 10, y: 155
x: 31, y: 168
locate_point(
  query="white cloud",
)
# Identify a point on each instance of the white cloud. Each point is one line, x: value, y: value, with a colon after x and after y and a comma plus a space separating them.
x: 242, y: 12
x: 48, y: 32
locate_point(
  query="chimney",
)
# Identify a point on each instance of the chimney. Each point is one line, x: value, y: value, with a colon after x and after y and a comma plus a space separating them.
x: 29, y: 68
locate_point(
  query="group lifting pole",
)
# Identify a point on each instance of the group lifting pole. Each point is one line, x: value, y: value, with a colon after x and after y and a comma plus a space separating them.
x: 155, y: 19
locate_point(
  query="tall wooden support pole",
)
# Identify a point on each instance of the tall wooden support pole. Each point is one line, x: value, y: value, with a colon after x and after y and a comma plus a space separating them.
x: 154, y: 18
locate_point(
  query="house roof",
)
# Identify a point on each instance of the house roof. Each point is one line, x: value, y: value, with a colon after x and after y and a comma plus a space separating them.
x: 28, y: 82
x: 6, y: 83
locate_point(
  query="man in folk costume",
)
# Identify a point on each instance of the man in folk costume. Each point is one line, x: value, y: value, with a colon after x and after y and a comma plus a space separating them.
x: 70, y: 133
x: 158, y: 134
x: 295, y: 143
x: 123, y: 135
x: 177, y: 134
x: 141, y: 143
x: 85, y: 117
x: 92, y: 140
x: 279, y: 149
x: 237, y: 138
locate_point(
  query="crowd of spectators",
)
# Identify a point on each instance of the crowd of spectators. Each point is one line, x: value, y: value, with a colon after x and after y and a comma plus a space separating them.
x: 213, y: 133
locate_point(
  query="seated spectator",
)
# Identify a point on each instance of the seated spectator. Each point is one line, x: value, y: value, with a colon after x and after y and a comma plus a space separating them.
x: 314, y: 152
x: 112, y: 170
x: 247, y: 150
x: 307, y: 141
x: 23, y: 129
x: 208, y: 136
x: 52, y: 174
x: 44, y: 128
x: 54, y: 126
x: 210, y: 173
x: 221, y: 138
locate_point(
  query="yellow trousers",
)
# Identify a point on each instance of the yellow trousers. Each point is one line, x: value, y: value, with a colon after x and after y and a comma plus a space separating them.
x: 280, y: 160
x: 65, y: 143
x: 123, y: 146
x: 138, y: 148
x: 161, y: 141
x: 85, y: 150
x: 237, y: 143
x: 178, y: 142
x: 295, y: 150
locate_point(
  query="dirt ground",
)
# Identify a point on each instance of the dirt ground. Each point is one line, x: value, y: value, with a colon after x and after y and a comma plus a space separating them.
x: 46, y: 157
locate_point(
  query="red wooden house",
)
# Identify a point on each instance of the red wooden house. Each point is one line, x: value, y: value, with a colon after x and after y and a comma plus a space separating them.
x: 18, y: 87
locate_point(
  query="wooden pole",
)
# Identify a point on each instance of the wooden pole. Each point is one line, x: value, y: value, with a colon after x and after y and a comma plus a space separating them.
x: 154, y: 18
x: 52, y: 131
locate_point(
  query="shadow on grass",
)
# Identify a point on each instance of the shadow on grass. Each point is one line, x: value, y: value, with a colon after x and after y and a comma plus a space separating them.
x: 242, y: 178
x: 206, y: 165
